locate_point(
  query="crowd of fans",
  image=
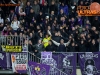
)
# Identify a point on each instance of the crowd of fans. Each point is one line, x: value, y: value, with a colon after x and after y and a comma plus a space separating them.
x: 52, y: 26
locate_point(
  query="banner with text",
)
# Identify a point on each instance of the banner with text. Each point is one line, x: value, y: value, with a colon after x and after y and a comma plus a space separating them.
x: 89, y: 63
x: 19, y: 62
x: 38, y: 69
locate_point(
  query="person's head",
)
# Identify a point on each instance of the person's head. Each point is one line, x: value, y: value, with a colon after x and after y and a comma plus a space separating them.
x: 93, y: 41
x: 38, y: 27
x: 50, y: 43
x: 35, y: 2
x: 72, y: 19
x: 52, y: 12
x: 40, y: 13
x: 81, y: 2
x: 39, y: 41
x: 88, y: 36
x: 56, y: 34
x: 30, y: 42
x: 83, y: 29
x: 15, y: 18
x: 59, y: 33
x: 45, y: 3
x: 46, y: 36
x: 15, y: 33
x: 73, y: 28
x: 21, y: 10
x: 63, y: 18
x: 19, y: 2
x: 96, y: 18
x: 5, y: 28
x: 73, y: 44
x: 82, y: 42
x: 62, y: 3
x: 61, y: 11
x: 28, y: 3
x: 21, y: 34
x: 87, y: 22
x: 53, y: 2
x: 93, y: 28
x: 31, y: 34
x: 77, y: 31
x: 11, y: 11
x: 49, y: 27
x: 31, y: 24
x: 74, y: 3
x: 31, y: 10
x: 41, y: 34
x: 62, y: 41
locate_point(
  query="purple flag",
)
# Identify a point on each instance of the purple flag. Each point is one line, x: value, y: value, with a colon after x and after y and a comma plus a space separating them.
x: 3, y: 60
x: 38, y: 69
x: 89, y: 63
x: 68, y: 63
x: 19, y: 62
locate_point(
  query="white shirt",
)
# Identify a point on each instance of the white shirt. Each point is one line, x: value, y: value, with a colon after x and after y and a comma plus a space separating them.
x: 21, y: 13
x: 1, y: 20
x: 15, y: 25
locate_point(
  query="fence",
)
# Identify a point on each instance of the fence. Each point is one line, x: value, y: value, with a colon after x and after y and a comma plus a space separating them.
x: 10, y: 44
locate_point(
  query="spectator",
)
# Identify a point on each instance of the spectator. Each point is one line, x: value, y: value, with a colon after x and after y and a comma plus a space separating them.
x: 46, y: 40
x: 11, y: 15
x: 15, y: 24
x: 28, y: 8
x: 1, y: 23
x: 50, y: 47
x: 5, y: 32
x: 65, y: 8
x: 22, y: 14
x: 61, y: 45
x: 45, y: 8
x: 38, y: 48
x: 54, y: 8
x: 36, y: 7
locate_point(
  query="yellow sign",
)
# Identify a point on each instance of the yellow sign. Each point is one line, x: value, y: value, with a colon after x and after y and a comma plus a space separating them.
x: 11, y: 48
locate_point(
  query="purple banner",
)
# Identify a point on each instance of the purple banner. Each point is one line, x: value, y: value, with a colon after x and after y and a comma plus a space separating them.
x: 89, y: 63
x: 67, y: 63
x: 38, y: 69
x: 19, y: 62
x: 3, y: 60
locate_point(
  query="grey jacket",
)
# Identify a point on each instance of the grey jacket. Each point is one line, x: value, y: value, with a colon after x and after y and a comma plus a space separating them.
x: 38, y: 47
x: 36, y: 8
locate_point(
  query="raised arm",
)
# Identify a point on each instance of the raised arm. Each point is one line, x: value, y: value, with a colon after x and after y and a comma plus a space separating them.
x: 49, y: 33
x: 56, y: 43
x: 66, y: 44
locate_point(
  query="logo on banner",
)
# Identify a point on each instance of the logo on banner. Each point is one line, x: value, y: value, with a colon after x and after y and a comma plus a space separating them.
x: 37, y: 70
x: 90, y: 67
x: 1, y: 56
x: 67, y: 65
